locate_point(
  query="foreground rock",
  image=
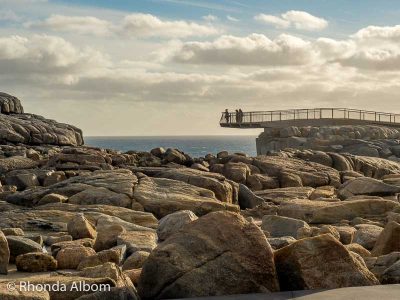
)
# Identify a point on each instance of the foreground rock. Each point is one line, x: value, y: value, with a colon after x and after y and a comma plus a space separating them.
x: 366, y: 186
x: 36, y: 262
x: 4, y: 254
x: 388, y: 240
x: 319, y: 263
x: 219, y: 254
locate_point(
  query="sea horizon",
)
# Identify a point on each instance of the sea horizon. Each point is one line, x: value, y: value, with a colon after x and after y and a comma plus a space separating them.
x: 194, y: 145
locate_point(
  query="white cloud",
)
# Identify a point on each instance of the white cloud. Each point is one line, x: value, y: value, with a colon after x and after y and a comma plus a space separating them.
x: 255, y: 49
x: 133, y: 25
x: 298, y: 19
x: 146, y: 25
x: 379, y: 32
x: 210, y: 18
x: 232, y: 19
x: 78, y: 25
x: 273, y: 20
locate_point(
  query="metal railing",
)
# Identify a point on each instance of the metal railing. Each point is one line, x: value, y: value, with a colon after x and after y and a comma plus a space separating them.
x: 262, y: 117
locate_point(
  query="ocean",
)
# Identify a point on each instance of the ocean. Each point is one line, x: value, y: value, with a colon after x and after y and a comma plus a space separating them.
x: 195, y: 146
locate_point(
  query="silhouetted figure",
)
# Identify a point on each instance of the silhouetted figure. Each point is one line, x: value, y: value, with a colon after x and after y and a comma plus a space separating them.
x: 237, y: 116
x: 240, y: 116
x: 227, y: 116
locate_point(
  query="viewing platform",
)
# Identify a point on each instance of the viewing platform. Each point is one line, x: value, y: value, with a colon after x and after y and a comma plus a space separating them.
x: 308, y: 117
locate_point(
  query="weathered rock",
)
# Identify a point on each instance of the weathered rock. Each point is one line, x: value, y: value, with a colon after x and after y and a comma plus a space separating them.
x: 13, y: 231
x: 285, y: 193
x: 20, y: 245
x: 247, y: 199
x: 79, y: 228
x: 320, y: 212
x: 107, y: 236
x: 22, y: 179
x: 51, y: 240
x: 366, y: 186
x: 36, y: 262
x: 71, y: 257
x: 100, y: 195
x: 311, y: 174
x: 392, y: 274
x: 219, y: 254
x: 388, y: 240
x: 4, y: 254
x: 357, y: 248
x: 162, y: 196
x: 32, y: 129
x: 135, y: 260
x: 367, y: 235
x: 257, y: 182
x: 280, y: 242
x: 113, y: 255
x: 346, y: 234
x: 175, y: 156
x: 10, y: 104
x: 120, y: 182
x: 279, y: 226
x: 16, y: 163
x: 138, y: 241
x: 171, y: 223
x: 52, y: 198
x: 223, y: 190
x: 300, y: 265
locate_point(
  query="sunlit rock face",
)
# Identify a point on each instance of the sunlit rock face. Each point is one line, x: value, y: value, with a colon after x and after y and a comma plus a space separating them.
x: 19, y: 127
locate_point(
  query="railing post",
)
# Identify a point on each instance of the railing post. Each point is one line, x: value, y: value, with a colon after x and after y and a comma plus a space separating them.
x: 332, y: 113
x: 251, y: 117
x: 280, y: 116
x: 307, y: 114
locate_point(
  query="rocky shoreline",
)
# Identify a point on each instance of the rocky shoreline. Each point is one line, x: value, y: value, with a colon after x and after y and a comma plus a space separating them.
x: 162, y: 224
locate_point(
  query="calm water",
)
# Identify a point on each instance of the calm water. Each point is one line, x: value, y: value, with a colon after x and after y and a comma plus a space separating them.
x: 195, y: 146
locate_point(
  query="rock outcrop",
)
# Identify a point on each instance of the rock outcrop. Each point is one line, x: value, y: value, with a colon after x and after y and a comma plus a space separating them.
x: 19, y: 127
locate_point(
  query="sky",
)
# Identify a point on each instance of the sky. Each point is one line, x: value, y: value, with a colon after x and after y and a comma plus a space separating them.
x: 170, y: 67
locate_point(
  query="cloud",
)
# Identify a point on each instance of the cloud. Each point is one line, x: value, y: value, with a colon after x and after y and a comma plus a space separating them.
x: 48, y: 57
x: 232, y: 19
x: 273, y: 20
x: 147, y: 25
x: 210, y: 18
x: 297, y: 19
x: 78, y: 25
x: 133, y: 25
x: 255, y: 49
x: 379, y: 32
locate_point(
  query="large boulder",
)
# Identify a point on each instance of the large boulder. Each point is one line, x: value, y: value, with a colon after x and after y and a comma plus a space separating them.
x: 320, y: 262
x: 4, y: 254
x: 279, y: 226
x: 71, y: 257
x: 117, y: 184
x: 366, y: 235
x: 16, y: 163
x: 366, y: 186
x: 322, y: 212
x: 223, y: 190
x: 310, y: 173
x: 219, y: 254
x: 388, y: 240
x: 79, y: 227
x: 162, y: 196
x: 36, y: 262
x: 20, y: 245
x: 173, y: 222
